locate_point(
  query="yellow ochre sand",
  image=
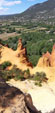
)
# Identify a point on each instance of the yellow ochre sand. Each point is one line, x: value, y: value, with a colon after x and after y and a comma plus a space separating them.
x: 7, y: 54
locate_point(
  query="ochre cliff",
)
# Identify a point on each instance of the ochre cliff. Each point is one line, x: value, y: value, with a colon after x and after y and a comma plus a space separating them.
x: 18, y: 57
x: 47, y: 59
x: 22, y: 54
x: 53, y: 56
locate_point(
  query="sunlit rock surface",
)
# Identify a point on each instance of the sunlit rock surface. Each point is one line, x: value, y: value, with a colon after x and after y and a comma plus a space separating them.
x: 47, y: 59
x: 18, y: 57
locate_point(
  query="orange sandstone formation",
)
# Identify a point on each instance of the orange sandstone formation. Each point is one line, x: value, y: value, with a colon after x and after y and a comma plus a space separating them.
x: 47, y: 60
x: 53, y: 56
x: 18, y: 57
x: 22, y: 54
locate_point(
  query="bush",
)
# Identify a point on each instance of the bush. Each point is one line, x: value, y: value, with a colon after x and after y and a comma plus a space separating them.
x: 26, y: 73
x: 18, y: 31
x: 6, y: 64
x: 40, y: 77
x: 15, y: 73
x: 11, y: 30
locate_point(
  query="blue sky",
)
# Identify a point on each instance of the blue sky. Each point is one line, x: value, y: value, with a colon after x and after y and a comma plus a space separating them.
x: 16, y: 6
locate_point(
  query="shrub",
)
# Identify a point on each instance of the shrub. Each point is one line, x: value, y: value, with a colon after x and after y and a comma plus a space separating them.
x: 26, y: 73
x: 6, y: 64
x: 40, y: 77
x: 38, y: 83
x: 11, y: 30
x: 19, y: 31
x: 15, y: 73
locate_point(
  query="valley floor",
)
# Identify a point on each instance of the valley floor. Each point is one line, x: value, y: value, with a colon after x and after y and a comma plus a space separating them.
x: 43, y: 97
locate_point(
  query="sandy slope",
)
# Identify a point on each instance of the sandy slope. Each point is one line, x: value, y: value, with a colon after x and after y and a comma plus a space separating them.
x: 9, y: 55
x: 43, y: 97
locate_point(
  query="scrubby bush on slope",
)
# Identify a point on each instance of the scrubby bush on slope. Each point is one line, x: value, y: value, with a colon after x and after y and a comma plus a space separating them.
x: 40, y: 77
x: 6, y: 64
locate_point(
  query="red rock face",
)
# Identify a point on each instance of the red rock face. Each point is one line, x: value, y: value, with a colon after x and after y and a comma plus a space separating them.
x: 20, y: 46
x: 22, y: 54
x: 53, y: 56
x: 53, y: 48
x: 48, y: 59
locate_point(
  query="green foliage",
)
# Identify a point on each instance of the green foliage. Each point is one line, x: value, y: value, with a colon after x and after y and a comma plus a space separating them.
x: 19, y: 31
x: 16, y: 23
x: 34, y: 59
x: 11, y: 30
x: 38, y: 83
x: 1, y: 31
x: 15, y: 73
x: 8, y: 74
x: 39, y: 77
x: 6, y: 64
x: 12, y: 42
x: 26, y: 74
x: 37, y: 42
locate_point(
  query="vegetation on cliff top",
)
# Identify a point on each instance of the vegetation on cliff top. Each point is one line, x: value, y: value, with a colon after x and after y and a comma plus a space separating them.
x: 17, y: 74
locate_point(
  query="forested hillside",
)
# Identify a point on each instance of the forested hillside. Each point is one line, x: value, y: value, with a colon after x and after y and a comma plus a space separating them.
x: 42, y: 12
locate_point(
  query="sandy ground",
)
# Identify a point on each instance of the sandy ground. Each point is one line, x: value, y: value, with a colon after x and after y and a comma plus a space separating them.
x: 9, y: 55
x: 43, y: 97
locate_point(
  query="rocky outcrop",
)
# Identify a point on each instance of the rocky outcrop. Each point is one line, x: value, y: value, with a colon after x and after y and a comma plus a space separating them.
x: 52, y: 111
x: 22, y: 54
x: 18, y: 57
x: 47, y: 60
x: 12, y: 100
x: 53, y: 56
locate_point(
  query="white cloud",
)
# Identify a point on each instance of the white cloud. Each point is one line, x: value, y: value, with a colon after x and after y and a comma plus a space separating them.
x: 5, y: 3
x: 9, y: 3
x: 3, y: 10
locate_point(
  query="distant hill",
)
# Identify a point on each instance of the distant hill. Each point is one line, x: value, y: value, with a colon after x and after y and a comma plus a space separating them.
x: 39, y: 12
